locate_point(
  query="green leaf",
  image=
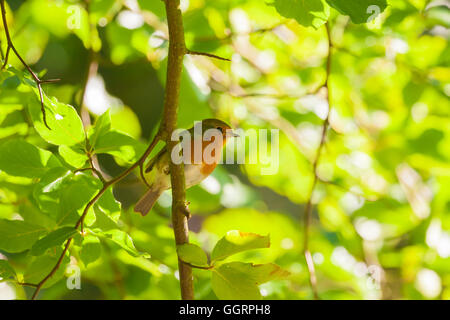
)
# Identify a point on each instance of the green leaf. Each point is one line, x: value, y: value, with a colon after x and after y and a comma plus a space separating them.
x: 47, y: 191
x: 310, y: 13
x: 122, y: 239
x: 126, y: 121
x: 74, y: 197
x: 119, y: 145
x: 101, y: 127
x: 6, y: 271
x: 63, y: 120
x: 41, y: 266
x: 18, y: 236
x: 236, y: 241
x: 239, y: 281
x: 91, y: 249
x: 22, y: 159
x: 74, y: 155
x: 360, y: 11
x: 192, y: 254
x: 53, y: 239
x: 103, y: 221
x: 109, y: 205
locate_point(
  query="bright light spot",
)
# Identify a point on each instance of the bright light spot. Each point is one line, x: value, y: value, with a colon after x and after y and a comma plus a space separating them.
x: 184, y: 5
x: 291, y: 84
x: 6, y: 292
x: 287, y: 243
x: 433, y: 234
x: 211, y: 184
x: 163, y: 269
x: 58, y: 117
x: 443, y: 247
x: 380, y: 119
x: 234, y: 194
x: 419, y: 111
x: 395, y: 46
x: 285, y: 34
x: 264, y: 292
x: 97, y: 99
x: 438, y: 239
x: 176, y: 275
x: 342, y: 258
x: 242, y: 69
x: 399, y: 46
x: 351, y: 202
x: 271, y: 113
x: 361, y: 160
x: 315, y: 103
x: 102, y: 22
x: 240, y: 21
x: 318, y: 258
x: 240, y: 111
x: 360, y: 269
x: 418, y: 194
x: 130, y: 20
x: 310, y: 134
x: 374, y: 181
x: 165, y: 200
x: 266, y: 60
x: 198, y: 77
x: 369, y: 230
x: 156, y: 39
x: 428, y: 283
x: 132, y: 4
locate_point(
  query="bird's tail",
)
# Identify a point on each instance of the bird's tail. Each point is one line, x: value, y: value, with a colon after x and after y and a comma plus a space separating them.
x: 145, y: 204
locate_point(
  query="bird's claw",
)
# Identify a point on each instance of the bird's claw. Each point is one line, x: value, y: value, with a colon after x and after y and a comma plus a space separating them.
x: 185, y: 209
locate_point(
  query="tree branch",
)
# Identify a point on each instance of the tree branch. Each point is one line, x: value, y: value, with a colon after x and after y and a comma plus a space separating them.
x: 10, y: 46
x: 177, y: 49
x: 308, y: 207
x: 80, y: 222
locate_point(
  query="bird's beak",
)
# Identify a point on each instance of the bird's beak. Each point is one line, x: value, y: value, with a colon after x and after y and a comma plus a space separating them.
x: 232, y: 134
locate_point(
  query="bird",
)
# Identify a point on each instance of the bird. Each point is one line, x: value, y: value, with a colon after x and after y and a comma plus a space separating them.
x: 157, y: 172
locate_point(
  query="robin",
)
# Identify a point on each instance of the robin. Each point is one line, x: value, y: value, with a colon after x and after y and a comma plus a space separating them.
x: 157, y: 171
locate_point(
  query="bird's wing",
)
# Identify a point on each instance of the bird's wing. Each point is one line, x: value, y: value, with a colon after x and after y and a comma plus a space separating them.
x: 155, y: 159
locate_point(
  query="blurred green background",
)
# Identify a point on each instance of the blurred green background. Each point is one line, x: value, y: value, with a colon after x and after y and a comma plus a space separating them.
x: 381, y: 217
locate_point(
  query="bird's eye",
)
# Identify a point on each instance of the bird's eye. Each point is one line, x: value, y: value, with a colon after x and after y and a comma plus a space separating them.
x: 220, y: 129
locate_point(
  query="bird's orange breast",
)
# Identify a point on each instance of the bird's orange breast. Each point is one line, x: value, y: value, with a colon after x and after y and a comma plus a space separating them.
x: 207, y: 168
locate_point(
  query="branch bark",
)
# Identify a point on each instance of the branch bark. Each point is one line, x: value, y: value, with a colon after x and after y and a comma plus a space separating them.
x: 177, y: 50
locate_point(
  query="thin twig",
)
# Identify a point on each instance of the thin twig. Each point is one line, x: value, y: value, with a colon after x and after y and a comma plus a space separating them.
x: 198, y: 53
x: 198, y: 267
x: 80, y: 221
x: 10, y: 46
x: 231, y: 34
x: 308, y: 207
x: 55, y: 268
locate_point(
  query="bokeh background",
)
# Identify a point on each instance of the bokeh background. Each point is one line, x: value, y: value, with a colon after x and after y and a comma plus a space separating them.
x: 381, y: 217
